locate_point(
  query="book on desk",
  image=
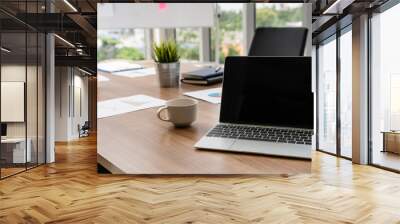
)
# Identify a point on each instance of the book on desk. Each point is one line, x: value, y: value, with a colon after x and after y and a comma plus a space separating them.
x: 203, y: 76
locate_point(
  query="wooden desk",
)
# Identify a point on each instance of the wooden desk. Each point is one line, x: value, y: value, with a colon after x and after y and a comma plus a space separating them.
x: 391, y: 141
x: 139, y: 143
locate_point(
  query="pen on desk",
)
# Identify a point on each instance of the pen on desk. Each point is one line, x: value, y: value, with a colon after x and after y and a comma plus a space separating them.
x: 217, y: 68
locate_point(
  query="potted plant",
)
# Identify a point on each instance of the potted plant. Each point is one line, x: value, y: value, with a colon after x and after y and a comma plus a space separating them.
x: 166, y: 58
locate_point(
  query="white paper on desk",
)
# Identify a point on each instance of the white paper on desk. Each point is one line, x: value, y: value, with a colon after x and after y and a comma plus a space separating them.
x: 102, y: 78
x: 114, y: 66
x: 136, y: 73
x: 209, y: 95
x: 128, y: 104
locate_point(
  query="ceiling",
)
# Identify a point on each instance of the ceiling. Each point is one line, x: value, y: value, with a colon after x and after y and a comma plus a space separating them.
x: 332, y: 15
x: 75, y: 21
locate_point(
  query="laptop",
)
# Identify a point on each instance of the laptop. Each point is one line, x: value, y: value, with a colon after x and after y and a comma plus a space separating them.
x: 266, y: 108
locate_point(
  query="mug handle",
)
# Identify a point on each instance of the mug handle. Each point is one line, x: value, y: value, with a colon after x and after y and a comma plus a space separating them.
x: 159, y: 113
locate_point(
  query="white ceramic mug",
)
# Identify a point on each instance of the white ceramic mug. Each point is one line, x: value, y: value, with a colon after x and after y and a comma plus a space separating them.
x: 182, y: 112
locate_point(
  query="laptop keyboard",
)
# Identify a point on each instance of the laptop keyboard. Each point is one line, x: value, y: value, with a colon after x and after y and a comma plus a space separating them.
x: 281, y: 135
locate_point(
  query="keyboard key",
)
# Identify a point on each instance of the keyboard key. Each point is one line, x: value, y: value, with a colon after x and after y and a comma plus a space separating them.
x: 292, y: 136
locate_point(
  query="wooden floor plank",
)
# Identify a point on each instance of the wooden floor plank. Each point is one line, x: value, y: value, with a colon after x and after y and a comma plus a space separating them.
x: 71, y: 191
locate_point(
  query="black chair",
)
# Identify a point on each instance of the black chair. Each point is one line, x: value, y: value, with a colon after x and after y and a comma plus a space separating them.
x: 279, y: 41
x: 84, y: 130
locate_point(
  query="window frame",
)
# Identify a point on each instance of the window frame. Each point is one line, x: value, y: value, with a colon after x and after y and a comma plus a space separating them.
x: 371, y: 14
x: 333, y: 37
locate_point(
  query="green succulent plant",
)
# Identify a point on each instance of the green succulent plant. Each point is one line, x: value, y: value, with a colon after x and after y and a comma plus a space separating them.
x: 166, y: 52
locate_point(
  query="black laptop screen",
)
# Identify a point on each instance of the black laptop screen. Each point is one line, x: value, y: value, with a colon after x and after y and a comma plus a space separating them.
x: 273, y: 91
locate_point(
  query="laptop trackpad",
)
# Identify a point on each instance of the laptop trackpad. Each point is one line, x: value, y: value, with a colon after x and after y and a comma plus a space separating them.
x: 271, y: 148
x: 215, y: 143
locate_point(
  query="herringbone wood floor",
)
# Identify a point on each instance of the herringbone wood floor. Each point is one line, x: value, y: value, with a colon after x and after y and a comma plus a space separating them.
x: 70, y: 191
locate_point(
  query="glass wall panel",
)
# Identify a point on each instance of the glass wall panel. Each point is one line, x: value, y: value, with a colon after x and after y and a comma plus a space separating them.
x: 188, y: 40
x: 327, y: 96
x: 385, y: 89
x: 42, y: 89
x: 346, y: 94
x: 14, y: 153
x: 22, y: 108
x: 31, y: 88
x: 31, y: 98
x: 41, y: 79
x: 227, y: 35
x: 279, y: 14
x: 127, y: 44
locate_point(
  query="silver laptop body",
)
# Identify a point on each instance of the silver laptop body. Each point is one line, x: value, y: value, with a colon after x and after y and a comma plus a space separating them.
x: 288, y: 136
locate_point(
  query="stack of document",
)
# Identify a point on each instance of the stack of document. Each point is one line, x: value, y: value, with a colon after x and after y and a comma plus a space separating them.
x: 117, y: 66
x: 209, y: 95
x: 136, y: 73
x: 128, y: 104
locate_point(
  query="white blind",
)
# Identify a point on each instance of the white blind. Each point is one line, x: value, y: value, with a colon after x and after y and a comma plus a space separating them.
x: 154, y: 15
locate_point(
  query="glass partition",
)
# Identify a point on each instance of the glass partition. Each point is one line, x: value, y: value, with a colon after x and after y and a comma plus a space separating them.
x: 41, y: 97
x: 31, y: 98
x: 279, y: 14
x: 327, y: 96
x: 126, y: 44
x: 188, y: 40
x: 346, y: 94
x: 385, y: 89
x: 227, y: 34
x: 22, y: 77
x: 14, y: 144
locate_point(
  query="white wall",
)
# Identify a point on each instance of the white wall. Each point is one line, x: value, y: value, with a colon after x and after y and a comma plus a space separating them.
x: 62, y: 81
x: 33, y: 126
x: 70, y: 109
x: 80, y: 109
x: 12, y: 73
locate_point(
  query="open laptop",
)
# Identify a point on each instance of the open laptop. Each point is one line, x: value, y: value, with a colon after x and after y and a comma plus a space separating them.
x: 266, y: 107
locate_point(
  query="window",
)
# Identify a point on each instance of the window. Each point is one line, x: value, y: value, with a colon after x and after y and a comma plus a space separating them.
x: 188, y: 40
x: 346, y: 94
x: 279, y: 14
x: 385, y: 88
x: 327, y: 96
x: 227, y: 36
x: 121, y: 44
x: 334, y: 106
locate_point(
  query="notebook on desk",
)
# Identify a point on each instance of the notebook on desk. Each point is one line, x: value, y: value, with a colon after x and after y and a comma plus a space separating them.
x: 204, y: 73
x: 209, y: 81
x: 204, y: 76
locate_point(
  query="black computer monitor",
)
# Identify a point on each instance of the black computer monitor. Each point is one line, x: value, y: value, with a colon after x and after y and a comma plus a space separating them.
x: 3, y: 129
